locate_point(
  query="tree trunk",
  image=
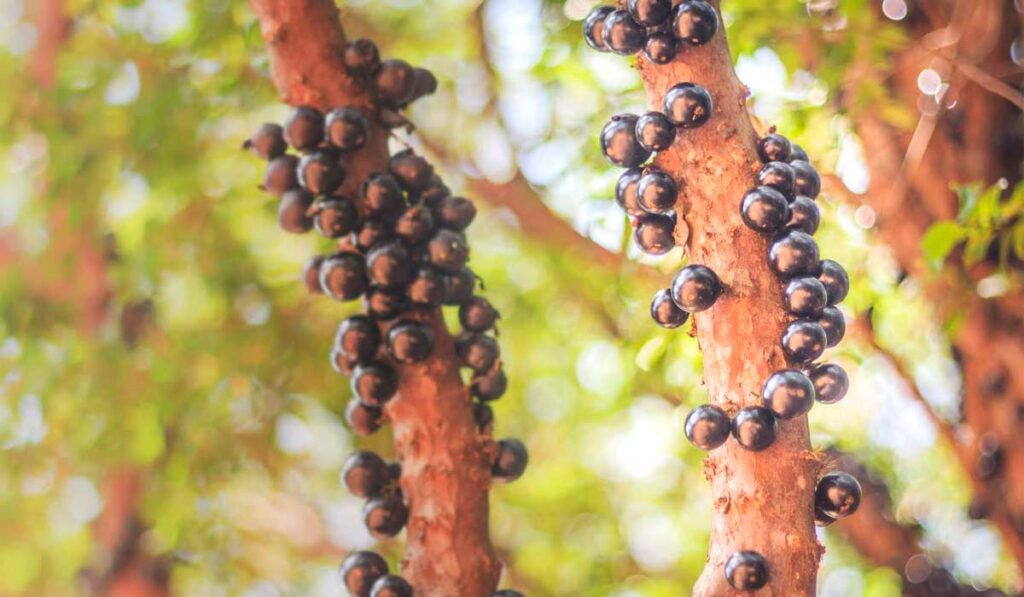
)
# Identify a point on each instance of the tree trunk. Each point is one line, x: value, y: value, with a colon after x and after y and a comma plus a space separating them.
x: 445, y: 460
x: 762, y: 500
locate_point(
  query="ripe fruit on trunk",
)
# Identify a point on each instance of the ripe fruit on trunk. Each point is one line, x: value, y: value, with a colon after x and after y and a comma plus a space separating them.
x: 665, y: 311
x: 654, y: 132
x: 806, y: 180
x: 410, y: 342
x: 656, y: 191
x: 455, y: 213
x: 291, y: 212
x: 415, y: 225
x: 304, y: 128
x: 774, y: 148
x: 394, y: 83
x: 834, y: 324
x: 746, y: 571
x: 363, y: 420
x: 695, y: 21
x: 374, y: 383
x: 390, y: 585
x: 835, y: 279
x: 365, y: 474
x: 385, y: 516
x: 459, y: 286
x: 489, y: 386
x: 361, y: 58
x: 837, y: 495
x: 413, y: 172
x: 788, y: 393
x: 360, y: 569
x: 478, y: 352
x: 661, y: 48
x: 477, y: 315
x: 311, y: 274
x: 654, y: 234
x: 511, y: 461
x: 688, y: 105
x: 281, y: 175
x: 793, y: 253
x: 696, y: 288
x: 388, y: 265
x: 619, y: 143
x: 267, y: 142
x: 593, y: 27
x: 335, y: 217
x: 707, y: 427
x: 321, y: 173
x: 764, y: 209
x: 805, y: 297
x: 358, y: 338
x: 346, y: 129
x: 803, y: 341
x: 755, y: 428
x: 778, y: 175
x: 650, y: 13
x: 448, y: 250
x: 805, y: 215
x: 626, y: 192
x: 830, y: 383
x: 621, y: 34
x: 343, y: 276
x: 385, y: 303
x: 427, y: 287
x: 382, y: 196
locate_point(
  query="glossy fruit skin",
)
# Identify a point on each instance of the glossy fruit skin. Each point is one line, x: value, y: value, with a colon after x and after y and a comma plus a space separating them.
x: 661, y: 48
x: 412, y: 171
x: 835, y: 279
x: 455, y: 213
x: 427, y: 287
x: 688, y: 105
x: 803, y: 341
x: 311, y: 274
x: 830, y: 383
x: 654, y: 234
x: 459, y: 286
x: 281, y: 175
x: 431, y: 194
x: 695, y: 22
x: 649, y: 13
x: 793, y: 253
x: 804, y: 215
x: 320, y: 173
x: 388, y: 265
x: 665, y: 312
x: 510, y: 464
x: 707, y: 426
x: 304, y: 128
x: 483, y: 415
x: 619, y: 144
x: 346, y: 129
x: 363, y: 420
x: 341, y: 363
x: 358, y: 338
x: 371, y: 233
x: 788, y: 393
x: 374, y: 383
x: 360, y: 569
x: 477, y: 315
x: 834, y: 324
x: 335, y: 217
x: 804, y: 297
x: 778, y: 175
x: 764, y: 209
x: 385, y: 303
x: 410, y: 342
x: 424, y: 83
x: 838, y: 495
x: 382, y: 196
x: 746, y: 571
x: 343, y: 276
x: 291, y: 211
x: 478, y: 352
x: 797, y: 153
x: 656, y: 191
x: 806, y: 180
x: 361, y: 58
x: 415, y: 225
x: 593, y: 27
x: 621, y: 34
x: 626, y: 192
x: 385, y: 516
x: 448, y: 250
x: 267, y: 142
x: 696, y: 288
x: 390, y: 585
x: 489, y: 386
x: 394, y: 83
x: 654, y: 132
x: 774, y: 148
x: 755, y: 428
x: 365, y: 474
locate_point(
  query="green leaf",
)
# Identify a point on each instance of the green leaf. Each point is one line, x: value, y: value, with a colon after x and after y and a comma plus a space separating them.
x: 940, y: 240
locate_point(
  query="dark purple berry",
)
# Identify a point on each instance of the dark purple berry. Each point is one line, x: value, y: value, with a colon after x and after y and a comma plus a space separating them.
x: 621, y: 34
x: 335, y: 217
x: 412, y: 171
x: 321, y: 173
x: 346, y: 129
x: 410, y: 342
x: 764, y: 209
x: 358, y: 338
x: 654, y: 234
x: 304, y: 128
x: 821, y: 519
x: 797, y: 153
x: 688, y: 105
x: 803, y: 341
x: 374, y: 383
x: 448, y: 250
x: 281, y: 175
x: 484, y: 417
x: 341, y: 363
x: 459, y: 287
x: 385, y: 516
x: 361, y: 58
x: 746, y: 571
x: 360, y: 570
x: 707, y: 426
x: 656, y: 191
x: 626, y: 192
x: 363, y: 420
x: 390, y: 585
x: 696, y: 288
x: 805, y: 297
x: 373, y: 232
x: 788, y: 393
x: 343, y: 276
x: 427, y: 288
x: 778, y: 175
x: 424, y: 83
x: 661, y: 48
x: 834, y: 324
x: 774, y: 148
x: 311, y: 274
x: 695, y: 22
x: 478, y: 352
x: 365, y: 474
x: 291, y: 212
x: 267, y: 142
x: 619, y: 143
x: 806, y: 180
x: 388, y: 265
x: 665, y: 311
x: 793, y: 253
x: 489, y: 386
x: 593, y: 27
x: 382, y: 196
x: 415, y: 225
x: 510, y: 464
x: 385, y: 303
x: 455, y: 213
x: 836, y: 281
x: 649, y: 13
x: 804, y: 215
x: 837, y: 495
x: 755, y: 428
x: 654, y: 132
x: 830, y: 383
x: 395, y: 83
x: 477, y: 315
x: 432, y: 194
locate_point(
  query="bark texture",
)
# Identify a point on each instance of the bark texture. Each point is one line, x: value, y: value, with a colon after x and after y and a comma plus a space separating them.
x: 445, y: 461
x: 762, y: 500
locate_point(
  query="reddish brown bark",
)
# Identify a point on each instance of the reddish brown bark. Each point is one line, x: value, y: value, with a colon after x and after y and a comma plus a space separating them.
x: 762, y: 500
x: 445, y: 461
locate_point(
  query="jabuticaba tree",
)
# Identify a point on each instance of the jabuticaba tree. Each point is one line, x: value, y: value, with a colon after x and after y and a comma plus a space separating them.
x: 762, y: 300
x: 397, y: 242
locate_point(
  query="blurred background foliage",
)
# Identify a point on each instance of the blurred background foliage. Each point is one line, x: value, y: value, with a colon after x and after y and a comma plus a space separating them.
x: 152, y: 324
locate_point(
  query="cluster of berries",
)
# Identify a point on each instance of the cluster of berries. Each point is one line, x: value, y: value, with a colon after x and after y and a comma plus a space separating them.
x: 402, y: 248
x: 654, y: 26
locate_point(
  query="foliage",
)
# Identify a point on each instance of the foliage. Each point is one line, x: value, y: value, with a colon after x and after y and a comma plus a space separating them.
x: 988, y: 226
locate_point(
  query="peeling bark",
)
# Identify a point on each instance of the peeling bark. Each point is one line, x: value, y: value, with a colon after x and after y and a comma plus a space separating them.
x: 445, y: 461
x: 762, y: 500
